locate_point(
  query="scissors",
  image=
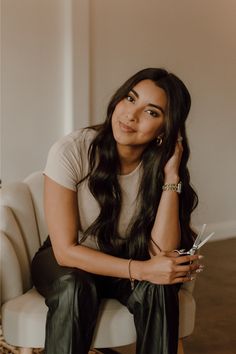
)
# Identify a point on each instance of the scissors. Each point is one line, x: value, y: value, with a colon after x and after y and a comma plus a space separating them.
x: 197, y: 244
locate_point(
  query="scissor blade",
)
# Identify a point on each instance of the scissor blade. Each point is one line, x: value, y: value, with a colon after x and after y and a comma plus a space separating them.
x: 199, y: 236
x: 204, y: 241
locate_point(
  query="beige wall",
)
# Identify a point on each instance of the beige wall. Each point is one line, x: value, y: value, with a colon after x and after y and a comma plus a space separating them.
x: 195, y: 40
x: 63, y: 60
x: 35, y: 80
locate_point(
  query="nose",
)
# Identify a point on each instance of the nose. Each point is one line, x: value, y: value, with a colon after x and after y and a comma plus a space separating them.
x: 131, y: 115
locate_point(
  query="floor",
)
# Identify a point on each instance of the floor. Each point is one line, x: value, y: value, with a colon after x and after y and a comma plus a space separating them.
x: 215, y: 294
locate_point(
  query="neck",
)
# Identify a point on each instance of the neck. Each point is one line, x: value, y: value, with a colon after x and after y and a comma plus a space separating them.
x: 129, y: 157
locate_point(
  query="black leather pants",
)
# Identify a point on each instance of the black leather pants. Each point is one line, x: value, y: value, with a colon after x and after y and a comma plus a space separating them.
x: 73, y: 298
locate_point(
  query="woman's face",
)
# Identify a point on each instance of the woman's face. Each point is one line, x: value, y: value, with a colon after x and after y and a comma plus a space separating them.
x: 139, y: 117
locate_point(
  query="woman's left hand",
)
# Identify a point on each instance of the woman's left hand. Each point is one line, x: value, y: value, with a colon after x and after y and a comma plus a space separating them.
x: 171, y: 169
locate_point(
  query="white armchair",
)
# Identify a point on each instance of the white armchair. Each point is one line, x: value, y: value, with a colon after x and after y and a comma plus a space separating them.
x: 22, y: 231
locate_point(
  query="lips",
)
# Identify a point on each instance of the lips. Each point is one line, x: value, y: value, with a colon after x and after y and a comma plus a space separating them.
x: 125, y: 128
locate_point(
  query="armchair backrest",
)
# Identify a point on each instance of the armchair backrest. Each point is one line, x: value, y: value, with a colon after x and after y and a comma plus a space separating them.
x: 35, y: 185
x: 22, y: 229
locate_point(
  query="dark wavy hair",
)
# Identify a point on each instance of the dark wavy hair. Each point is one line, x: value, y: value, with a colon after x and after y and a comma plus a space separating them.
x: 104, y: 167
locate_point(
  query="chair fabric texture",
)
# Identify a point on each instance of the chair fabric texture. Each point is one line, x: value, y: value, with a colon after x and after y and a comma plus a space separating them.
x: 23, y: 310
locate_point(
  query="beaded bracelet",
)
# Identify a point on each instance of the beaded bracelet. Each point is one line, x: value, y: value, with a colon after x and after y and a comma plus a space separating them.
x: 130, y: 277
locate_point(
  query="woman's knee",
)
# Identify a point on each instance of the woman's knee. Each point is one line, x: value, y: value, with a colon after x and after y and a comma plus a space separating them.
x: 145, y: 289
x: 79, y: 282
x: 76, y: 290
x: 146, y: 294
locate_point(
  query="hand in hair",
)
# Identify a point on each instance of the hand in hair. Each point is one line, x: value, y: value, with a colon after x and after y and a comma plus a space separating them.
x: 171, y: 168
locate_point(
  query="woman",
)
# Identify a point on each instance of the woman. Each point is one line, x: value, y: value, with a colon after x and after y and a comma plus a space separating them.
x: 114, y: 213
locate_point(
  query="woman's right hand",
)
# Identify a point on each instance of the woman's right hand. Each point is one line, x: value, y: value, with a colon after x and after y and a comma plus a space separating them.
x: 171, y: 169
x: 170, y: 268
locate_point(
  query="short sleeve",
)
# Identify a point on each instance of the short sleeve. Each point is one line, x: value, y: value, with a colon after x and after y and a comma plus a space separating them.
x: 67, y: 160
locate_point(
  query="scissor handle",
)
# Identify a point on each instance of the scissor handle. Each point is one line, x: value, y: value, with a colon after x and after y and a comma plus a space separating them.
x: 182, y: 252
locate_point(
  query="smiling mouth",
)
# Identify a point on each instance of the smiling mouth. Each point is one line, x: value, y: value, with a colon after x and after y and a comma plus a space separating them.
x: 126, y: 128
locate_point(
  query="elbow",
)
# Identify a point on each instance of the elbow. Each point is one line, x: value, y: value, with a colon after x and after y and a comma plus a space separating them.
x: 61, y: 262
x: 61, y: 257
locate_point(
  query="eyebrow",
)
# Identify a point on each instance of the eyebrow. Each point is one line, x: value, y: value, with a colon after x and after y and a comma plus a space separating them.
x: 149, y: 104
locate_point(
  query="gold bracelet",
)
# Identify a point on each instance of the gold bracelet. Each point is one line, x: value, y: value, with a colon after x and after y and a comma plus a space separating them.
x: 130, y: 277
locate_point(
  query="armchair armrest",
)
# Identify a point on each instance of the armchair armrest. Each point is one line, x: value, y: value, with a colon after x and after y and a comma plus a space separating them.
x: 189, y: 286
x: 11, y: 279
x: 11, y: 228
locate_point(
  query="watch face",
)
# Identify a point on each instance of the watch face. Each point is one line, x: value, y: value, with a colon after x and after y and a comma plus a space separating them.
x: 179, y: 187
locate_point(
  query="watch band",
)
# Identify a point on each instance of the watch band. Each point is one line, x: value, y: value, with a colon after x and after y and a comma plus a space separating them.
x: 172, y: 187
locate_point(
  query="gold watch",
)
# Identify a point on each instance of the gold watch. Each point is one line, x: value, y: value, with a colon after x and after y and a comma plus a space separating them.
x: 172, y: 187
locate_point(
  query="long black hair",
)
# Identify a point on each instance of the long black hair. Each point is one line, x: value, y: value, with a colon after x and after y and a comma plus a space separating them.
x: 104, y: 167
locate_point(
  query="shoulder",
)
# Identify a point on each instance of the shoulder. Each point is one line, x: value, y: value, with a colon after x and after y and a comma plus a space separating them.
x: 76, y: 141
x: 67, y: 161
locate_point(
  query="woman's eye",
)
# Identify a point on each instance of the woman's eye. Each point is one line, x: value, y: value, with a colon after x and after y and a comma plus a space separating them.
x: 153, y: 113
x: 130, y: 98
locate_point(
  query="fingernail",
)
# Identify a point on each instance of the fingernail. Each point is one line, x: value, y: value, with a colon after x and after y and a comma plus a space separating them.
x: 200, y: 256
x: 192, y: 278
x: 201, y: 266
x: 199, y: 270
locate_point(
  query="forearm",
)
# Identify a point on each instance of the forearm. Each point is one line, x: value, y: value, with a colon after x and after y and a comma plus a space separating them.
x: 166, y: 230
x: 162, y: 269
x: 96, y: 262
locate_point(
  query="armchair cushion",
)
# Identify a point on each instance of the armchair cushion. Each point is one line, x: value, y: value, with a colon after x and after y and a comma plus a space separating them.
x: 24, y: 319
x: 10, y: 271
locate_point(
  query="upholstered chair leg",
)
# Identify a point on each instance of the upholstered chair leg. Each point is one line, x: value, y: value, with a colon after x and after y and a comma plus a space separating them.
x: 26, y: 350
x: 180, y: 346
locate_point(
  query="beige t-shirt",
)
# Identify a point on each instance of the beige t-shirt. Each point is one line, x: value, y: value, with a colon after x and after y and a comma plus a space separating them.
x: 67, y: 164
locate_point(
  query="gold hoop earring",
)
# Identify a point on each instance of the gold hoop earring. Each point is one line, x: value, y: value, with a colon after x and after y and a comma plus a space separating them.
x: 159, y: 141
